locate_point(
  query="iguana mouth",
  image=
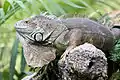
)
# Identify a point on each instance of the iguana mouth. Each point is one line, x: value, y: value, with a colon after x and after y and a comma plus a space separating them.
x: 24, y: 31
x: 25, y: 36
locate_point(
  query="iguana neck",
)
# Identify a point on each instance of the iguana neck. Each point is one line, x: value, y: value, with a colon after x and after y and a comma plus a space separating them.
x: 116, y: 33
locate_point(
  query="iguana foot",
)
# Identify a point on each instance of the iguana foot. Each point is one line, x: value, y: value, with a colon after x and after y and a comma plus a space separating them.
x: 63, y: 57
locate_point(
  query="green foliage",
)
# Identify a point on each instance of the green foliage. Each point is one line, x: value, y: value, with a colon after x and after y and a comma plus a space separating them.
x: 23, y: 62
x: 115, y: 53
x: 14, y: 10
x: 9, y: 8
x: 13, y: 59
x: 115, y: 76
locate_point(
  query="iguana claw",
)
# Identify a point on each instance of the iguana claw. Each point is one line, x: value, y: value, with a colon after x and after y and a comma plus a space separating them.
x: 63, y: 56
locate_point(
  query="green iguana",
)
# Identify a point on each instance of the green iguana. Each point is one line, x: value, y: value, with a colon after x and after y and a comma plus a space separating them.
x: 41, y: 35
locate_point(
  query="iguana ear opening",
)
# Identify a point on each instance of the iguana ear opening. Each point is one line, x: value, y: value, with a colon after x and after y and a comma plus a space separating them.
x: 38, y: 37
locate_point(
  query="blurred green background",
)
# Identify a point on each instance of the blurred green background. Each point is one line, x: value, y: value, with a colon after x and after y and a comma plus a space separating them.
x: 12, y: 63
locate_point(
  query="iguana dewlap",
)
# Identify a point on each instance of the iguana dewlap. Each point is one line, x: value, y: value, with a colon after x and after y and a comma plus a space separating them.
x: 42, y: 31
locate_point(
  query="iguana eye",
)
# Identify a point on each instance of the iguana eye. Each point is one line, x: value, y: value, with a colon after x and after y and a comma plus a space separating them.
x: 38, y: 36
x: 26, y: 21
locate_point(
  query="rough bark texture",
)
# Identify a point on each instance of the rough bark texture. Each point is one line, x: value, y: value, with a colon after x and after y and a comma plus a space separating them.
x: 84, y: 62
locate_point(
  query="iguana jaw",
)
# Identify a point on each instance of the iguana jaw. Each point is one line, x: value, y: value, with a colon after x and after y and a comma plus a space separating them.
x: 24, y: 34
x: 23, y: 28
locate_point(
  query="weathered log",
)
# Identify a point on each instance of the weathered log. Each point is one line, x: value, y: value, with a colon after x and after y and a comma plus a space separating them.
x: 84, y: 62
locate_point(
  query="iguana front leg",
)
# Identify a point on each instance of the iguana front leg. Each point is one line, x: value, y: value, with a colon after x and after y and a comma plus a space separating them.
x: 74, y: 36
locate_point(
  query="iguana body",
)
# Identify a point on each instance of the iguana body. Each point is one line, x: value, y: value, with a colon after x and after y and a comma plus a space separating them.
x: 90, y: 31
x: 43, y: 31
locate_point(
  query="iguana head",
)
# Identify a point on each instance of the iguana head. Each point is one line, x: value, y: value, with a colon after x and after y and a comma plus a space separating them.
x: 34, y: 34
x: 36, y: 29
x: 37, y: 36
